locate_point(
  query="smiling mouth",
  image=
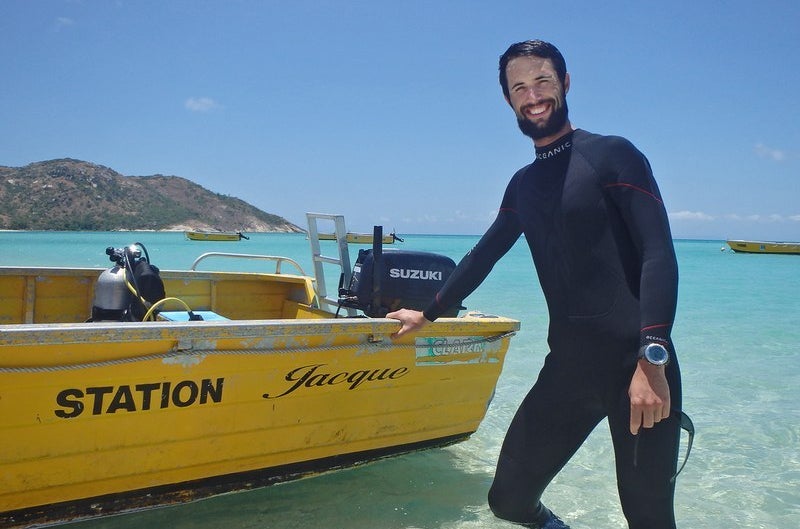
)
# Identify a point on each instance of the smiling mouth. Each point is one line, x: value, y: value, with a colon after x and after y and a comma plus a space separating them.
x: 535, y: 111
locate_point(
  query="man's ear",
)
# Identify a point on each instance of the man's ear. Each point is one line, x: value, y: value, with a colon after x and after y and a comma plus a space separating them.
x: 566, y: 82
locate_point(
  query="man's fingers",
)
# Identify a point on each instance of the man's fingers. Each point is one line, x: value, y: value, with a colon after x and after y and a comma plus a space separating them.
x: 647, y: 418
x: 410, y: 321
x: 400, y: 331
x: 636, y: 422
x: 406, y: 320
x: 666, y: 409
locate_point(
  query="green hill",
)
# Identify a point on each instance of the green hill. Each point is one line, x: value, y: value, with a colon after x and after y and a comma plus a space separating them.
x: 71, y: 194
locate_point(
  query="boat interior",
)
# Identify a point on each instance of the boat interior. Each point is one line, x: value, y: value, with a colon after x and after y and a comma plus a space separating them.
x: 54, y: 295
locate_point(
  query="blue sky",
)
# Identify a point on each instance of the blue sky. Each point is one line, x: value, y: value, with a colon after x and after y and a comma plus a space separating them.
x: 390, y: 112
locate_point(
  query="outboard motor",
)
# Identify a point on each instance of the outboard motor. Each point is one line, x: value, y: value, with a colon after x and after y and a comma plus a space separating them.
x: 388, y: 280
x: 125, y: 291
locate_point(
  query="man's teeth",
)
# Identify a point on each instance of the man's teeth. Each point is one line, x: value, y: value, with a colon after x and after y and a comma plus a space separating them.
x: 535, y: 111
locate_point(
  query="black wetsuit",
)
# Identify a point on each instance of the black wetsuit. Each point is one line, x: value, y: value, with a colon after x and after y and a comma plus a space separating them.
x: 598, y: 232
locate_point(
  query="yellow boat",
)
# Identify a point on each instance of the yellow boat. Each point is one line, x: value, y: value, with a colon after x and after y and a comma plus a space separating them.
x: 764, y: 247
x: 215, y: 235
x: 248, y: 379
x: 361, y: 238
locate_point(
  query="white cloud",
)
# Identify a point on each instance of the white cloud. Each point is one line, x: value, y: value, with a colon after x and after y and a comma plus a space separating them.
x: 690, y: 215
x: 63, y: 22
x: 776, y: 155
x: 201, y: 104
x: 755, y: 217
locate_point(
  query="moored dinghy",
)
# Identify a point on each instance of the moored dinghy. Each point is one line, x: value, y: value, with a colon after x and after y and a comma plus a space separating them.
x: 233, y: 380
x: 774, y: 247
x: 229, y: 236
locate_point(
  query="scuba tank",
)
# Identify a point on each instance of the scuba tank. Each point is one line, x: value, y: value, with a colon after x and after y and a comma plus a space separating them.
x: 125, y: 291
x: 111, y: 296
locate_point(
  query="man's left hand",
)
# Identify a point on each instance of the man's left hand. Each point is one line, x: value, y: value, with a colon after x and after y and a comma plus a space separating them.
x: 649, y: 394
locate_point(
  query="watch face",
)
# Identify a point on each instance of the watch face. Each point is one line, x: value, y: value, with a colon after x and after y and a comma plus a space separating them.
x: 656, y: 354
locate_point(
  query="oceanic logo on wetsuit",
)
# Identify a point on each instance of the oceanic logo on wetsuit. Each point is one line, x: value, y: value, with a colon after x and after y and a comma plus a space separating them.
x: 554, y: 151
x: 410, y: 273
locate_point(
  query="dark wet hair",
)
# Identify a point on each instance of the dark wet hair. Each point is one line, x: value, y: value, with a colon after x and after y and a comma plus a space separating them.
x: 532, y: 48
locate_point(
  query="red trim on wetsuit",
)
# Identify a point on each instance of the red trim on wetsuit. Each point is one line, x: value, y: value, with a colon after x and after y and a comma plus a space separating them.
x: 649, y: 327
x: 636, y: 188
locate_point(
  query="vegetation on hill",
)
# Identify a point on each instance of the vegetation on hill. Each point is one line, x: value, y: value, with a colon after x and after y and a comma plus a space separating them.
x: 71, y: 194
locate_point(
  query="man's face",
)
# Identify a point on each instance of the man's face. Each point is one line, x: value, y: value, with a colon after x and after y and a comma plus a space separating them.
x: 537, y: 97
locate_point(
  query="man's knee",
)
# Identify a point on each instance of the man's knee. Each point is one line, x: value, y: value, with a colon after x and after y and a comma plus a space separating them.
x: 501, y: 505
x: 509, y: 506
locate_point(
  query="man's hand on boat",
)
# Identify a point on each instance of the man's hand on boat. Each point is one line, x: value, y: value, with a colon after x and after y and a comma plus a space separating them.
x: 410, y: 321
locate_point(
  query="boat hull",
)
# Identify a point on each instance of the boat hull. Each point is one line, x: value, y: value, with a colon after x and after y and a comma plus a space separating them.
x: 97, y: 417
x: 359, y: 238
x: 212, y: 236
x: 738, y: 246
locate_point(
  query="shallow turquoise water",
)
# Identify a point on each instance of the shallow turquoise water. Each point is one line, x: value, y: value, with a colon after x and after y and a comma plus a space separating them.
x: 737, y: 332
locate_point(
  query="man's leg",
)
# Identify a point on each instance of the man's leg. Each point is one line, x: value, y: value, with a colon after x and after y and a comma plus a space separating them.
x: 647, y: 462
x: 546, y: 431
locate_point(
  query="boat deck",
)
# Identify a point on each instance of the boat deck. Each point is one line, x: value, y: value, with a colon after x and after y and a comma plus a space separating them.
x: 52, y: 295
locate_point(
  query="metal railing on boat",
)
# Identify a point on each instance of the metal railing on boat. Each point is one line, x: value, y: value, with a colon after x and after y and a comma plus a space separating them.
x: 342, y: 261
x: 279, y: 260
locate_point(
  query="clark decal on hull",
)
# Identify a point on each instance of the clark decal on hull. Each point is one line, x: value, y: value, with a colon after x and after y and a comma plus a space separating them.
x: 140, y: 397
x: 453, y: 346
x: 458, y: 349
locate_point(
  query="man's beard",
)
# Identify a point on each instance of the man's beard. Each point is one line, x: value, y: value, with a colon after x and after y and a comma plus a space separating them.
x: 550, y: 127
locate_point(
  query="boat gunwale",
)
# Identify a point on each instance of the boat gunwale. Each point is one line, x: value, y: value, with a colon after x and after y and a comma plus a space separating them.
x: 155, y: 330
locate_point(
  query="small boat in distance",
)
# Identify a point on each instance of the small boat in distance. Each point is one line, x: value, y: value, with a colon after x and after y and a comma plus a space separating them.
x: 772, y: 247
x: 361, y: 238
x: 215, y: 235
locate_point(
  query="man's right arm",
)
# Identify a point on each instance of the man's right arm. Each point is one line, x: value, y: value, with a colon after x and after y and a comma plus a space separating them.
x: 469, y: 273
x: 476, y: 265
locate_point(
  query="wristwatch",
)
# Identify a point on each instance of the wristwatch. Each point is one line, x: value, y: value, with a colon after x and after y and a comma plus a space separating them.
x: 654, y: 353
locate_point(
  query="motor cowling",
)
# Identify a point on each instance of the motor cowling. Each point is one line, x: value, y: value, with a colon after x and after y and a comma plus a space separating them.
x: 396, y: 279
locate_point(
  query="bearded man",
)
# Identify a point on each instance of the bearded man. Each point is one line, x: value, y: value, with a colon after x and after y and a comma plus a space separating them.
x: 596, y: 225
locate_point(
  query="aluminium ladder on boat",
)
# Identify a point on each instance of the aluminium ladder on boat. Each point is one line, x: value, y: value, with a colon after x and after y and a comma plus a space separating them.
x: 319, y: 260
